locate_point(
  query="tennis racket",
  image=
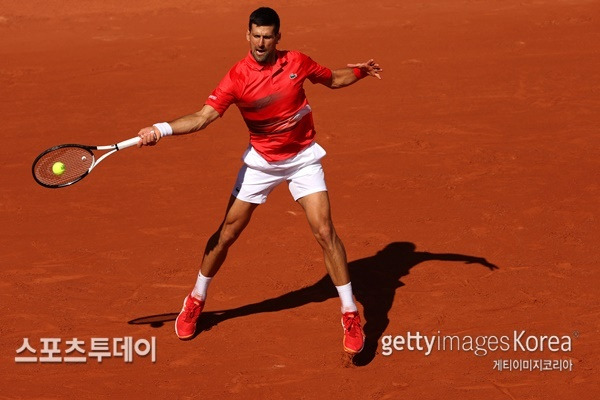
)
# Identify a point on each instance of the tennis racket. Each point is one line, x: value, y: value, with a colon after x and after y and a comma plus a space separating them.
x: 74, y: 162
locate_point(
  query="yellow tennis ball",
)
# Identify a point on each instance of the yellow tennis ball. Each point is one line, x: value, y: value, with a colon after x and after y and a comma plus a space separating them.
x: 58, y: 168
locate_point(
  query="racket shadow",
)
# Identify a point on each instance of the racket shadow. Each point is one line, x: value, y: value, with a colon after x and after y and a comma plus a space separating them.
x: 208, y: 320
x: 375, y: 281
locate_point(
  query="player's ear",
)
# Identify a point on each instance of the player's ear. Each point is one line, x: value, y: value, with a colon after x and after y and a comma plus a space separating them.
x: 248, y: 35
x: 278, y: 37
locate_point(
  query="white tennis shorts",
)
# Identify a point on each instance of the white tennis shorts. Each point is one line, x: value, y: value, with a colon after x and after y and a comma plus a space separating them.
x: 303, y: 172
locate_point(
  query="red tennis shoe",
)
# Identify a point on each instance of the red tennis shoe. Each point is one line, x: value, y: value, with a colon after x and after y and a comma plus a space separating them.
x: 185, y: 324
x: 354, y: 338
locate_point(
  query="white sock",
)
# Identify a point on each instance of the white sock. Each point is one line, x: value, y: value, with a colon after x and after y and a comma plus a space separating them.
x: 201, y: 287
x: 345, y: 292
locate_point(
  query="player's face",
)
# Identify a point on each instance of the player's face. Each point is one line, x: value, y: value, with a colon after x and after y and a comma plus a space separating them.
x: 263, y: 43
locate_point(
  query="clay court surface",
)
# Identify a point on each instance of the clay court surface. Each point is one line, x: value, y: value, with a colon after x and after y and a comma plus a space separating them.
x: 465, y: 186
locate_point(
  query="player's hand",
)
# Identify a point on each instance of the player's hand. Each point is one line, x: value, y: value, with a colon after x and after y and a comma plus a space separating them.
x: 149, y: 136
x: 370, y: 67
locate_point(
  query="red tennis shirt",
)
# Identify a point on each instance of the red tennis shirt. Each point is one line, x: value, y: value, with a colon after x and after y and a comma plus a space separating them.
x: 272, y: 101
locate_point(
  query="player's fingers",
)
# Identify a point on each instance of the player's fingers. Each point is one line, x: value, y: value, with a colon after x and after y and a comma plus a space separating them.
x: 140, y: 142
x: 375, y: 70
x: 143, y: 141
x: 148, y: 137
x: 374, y: 65
x: 154, y: 136
x: 140, y: 134
x: 371, y: 63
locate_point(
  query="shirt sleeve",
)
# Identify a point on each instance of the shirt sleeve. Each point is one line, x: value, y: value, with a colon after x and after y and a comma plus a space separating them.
x: 225, y: 94
x: 316, y: 73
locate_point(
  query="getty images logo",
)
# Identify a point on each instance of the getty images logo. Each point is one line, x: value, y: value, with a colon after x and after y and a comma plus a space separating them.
x: 518, y: 342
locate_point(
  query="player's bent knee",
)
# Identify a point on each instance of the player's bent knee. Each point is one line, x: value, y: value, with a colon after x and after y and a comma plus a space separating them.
x: 325, y: 235
x: 228, y: 236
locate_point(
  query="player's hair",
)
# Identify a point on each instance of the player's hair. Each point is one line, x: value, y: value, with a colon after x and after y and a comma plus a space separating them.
x: 264, y: 16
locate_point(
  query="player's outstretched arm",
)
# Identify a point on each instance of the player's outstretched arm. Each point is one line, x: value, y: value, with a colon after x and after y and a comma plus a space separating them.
x: 187, y: 124
x: 353, y: 73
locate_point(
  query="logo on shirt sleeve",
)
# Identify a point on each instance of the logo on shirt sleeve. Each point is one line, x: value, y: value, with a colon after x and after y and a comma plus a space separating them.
x: 212, y: 97
x: 293, y: 76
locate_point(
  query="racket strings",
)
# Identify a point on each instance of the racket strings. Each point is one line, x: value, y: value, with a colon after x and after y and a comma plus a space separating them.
x: 77, y: 162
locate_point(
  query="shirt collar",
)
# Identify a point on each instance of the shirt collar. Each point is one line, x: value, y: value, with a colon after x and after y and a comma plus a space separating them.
x: 281, y: 60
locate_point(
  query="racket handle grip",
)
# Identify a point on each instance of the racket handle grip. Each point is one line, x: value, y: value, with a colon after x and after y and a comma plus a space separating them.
x: 128, y: 143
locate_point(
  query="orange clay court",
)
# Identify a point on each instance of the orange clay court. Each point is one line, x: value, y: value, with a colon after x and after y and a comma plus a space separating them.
x: 464, y: 184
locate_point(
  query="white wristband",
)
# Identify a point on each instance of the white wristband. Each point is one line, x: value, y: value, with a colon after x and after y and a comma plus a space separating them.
x: 164, y: 128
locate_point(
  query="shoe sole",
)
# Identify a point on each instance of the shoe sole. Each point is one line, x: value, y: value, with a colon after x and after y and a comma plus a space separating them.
x: 188, y: 337
x: 350, y: 351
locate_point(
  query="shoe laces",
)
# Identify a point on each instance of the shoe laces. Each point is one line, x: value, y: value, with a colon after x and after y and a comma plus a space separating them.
x: 192, y: 311
x: 352, y: 324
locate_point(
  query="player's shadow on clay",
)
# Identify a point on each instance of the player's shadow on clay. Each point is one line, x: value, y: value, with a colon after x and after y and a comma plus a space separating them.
x: 374, y: 281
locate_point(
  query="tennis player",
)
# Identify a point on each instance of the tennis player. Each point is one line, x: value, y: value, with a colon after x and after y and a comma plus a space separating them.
x: 267, y: 87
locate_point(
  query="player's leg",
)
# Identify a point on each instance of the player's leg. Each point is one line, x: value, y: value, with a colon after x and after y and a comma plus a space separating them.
x: 251, y: 188
x: 237, y: 216
x: 318, y: 212
x: 236, y: 219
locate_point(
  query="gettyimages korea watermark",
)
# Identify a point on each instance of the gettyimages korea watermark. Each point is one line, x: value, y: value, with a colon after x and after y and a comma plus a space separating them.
x: 527, y: 349
x: 55, y: 350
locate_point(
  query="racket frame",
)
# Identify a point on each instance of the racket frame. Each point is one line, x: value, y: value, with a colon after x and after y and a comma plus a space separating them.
x: 112, y: 148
